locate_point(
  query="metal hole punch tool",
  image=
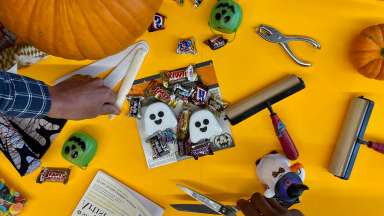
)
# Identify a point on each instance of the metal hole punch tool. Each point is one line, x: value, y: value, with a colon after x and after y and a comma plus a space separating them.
x: 272, y: 35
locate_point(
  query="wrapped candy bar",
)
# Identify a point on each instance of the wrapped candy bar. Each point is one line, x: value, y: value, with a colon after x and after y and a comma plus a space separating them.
x: 186, y: 46
x: 182, y: 124
x: 179, y: 76
x: 215, y: 105
x: 160, y: 142
x: 135, y: 106
x: 202, y: 148
x: 157, y: 90
x: 50, y: 174
x: 200, y: 95
x: 179, y: 2
x: 197, y: 3
x: 158, y: 23
x: 11, y: 202
x: 216, y: 42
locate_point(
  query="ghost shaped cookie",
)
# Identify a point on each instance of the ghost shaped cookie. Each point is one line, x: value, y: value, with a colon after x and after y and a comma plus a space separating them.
x: 157, y: 117
x: 203, y: 125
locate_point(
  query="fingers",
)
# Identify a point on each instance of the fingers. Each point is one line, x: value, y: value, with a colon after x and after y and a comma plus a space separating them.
x: 276, y: 206
x: 260, y: 202
x: 246, y: 208
x: 109, y: 109
x: 108, y: 96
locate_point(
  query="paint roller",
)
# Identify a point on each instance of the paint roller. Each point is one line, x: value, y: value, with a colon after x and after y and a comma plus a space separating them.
x: 351, y: 136
x: 264, y: 99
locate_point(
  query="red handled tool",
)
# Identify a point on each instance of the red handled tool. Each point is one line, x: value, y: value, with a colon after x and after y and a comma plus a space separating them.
x: 379, y: 147
x: 286, y: 141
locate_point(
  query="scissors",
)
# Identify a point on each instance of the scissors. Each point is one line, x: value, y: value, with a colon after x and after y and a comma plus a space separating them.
x: 272, y: 35
x: 209, y: 206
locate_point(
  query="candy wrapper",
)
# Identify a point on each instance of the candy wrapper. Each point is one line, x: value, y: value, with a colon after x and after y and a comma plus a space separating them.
x: 186, y: 46
x: 11, y: 202
x: 158, y: 23
x: 50, y: 174
x: 135, y: 106
x: 197, y: 3
x: 216, y: 42
x: 160, y: 142
x: 158, y: 91
x: 173, y: 77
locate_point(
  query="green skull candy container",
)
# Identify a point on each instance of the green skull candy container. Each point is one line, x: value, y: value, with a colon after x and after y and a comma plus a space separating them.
x: 226, y: 16
x: 79, y: 149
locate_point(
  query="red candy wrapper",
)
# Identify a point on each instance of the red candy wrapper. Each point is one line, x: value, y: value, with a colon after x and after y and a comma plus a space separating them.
x: 157, y: 90
x: 179, y: 76
x: 49, y: 174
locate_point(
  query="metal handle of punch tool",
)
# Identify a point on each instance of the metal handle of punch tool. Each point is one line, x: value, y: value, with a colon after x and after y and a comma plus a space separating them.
x: 288, y: 50
x: 294, y: 57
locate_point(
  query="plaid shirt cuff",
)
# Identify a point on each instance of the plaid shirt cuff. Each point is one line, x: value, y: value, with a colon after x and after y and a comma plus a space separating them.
x: 23, y: 97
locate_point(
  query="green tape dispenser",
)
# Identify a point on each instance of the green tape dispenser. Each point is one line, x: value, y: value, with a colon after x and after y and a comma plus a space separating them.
x: 79, y: 149
x: 226, y: 16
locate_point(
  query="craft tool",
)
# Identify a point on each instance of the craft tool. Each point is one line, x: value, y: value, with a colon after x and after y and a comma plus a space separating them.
x: 351, y: 136
x: 209, y: 206
x: 264, y: 99
x: 272, y: 35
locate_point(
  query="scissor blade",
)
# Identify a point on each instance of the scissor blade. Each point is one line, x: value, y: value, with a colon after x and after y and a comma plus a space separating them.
x: 212, y: 204
x: 195, y: 208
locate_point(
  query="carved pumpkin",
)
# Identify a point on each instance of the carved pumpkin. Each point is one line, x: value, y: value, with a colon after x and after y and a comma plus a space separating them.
x: 78, y: 29
x: 368, y: 52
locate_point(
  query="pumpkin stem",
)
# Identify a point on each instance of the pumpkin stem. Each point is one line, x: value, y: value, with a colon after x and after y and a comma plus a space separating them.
x: 382, y: 52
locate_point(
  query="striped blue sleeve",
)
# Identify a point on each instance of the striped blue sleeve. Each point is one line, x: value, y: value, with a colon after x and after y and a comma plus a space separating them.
x: 23, y: 97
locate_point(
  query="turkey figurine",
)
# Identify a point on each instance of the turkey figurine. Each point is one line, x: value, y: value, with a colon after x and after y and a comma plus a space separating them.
x: 283, y: 181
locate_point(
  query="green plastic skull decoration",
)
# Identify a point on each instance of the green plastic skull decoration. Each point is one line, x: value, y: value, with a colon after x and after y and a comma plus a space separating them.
x: 79, y: 149
x: 226, y: 16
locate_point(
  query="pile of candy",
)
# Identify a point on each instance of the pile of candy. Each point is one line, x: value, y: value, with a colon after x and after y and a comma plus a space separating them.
x: 181, y: 90
x: 11, y: 202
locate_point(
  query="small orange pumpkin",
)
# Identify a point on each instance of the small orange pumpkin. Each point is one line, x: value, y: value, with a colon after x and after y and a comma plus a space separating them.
x: 78, y: 29
x: 367, y: 52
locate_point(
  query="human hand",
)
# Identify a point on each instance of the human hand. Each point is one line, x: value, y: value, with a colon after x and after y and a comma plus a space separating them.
x: 258, y: 205
x: 81, y: 97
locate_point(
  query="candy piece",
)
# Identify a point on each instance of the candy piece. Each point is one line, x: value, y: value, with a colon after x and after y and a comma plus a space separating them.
x: 216, y: 42
x: 215, y: 105
x: 184, y: 147
x: 200, y: 95
x: 79, y: 149
x: 203, y: 125
x: 197, y: 3
x: 201, y: 149
x: 183, y: 92
x: 155, y: 89
x: 160, y: 142
x: 186, y: 46
x: 223, y: 140
x: 179, y: 76
x: 135, y: 106
x: 158, y: 23
x: 49, y: 174
x: 183, y: 124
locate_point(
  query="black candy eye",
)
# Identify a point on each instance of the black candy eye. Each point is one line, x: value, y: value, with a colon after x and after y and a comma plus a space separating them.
x: 227, y: 18
x: 73, y: 147
x: 152, y: 116
x: 206, y: 121
x: 74, y: 154
x: 197, y: 124
x: 160, y: 114
x: 218, y: 16
x: 66, y: 150
x: 223, y: 12
x: 82, y: 146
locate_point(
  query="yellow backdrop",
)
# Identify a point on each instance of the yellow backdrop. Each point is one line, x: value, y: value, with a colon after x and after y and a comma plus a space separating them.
x: 313, y: 116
